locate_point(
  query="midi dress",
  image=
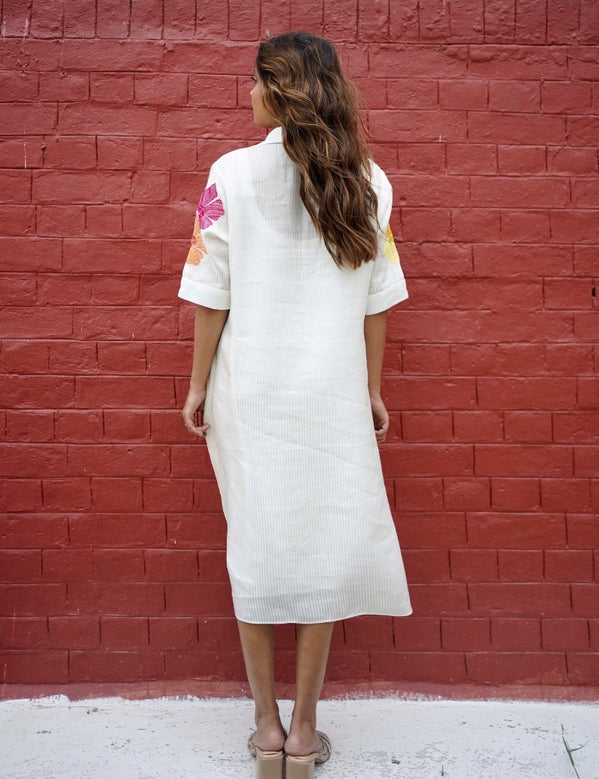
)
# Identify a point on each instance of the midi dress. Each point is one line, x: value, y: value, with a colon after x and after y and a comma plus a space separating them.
x: 310, y: 535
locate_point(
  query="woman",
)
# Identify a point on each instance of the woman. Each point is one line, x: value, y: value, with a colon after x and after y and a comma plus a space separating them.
x: 292, y: 269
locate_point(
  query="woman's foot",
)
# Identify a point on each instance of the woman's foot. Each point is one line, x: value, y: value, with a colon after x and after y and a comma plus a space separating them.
x: 269, y: 735
x: 305, y: 741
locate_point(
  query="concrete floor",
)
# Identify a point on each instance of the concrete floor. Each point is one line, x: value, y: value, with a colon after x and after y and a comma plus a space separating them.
x: 386, y: 738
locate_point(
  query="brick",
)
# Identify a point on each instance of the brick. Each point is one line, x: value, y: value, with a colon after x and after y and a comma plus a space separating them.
x: 568, y: 566
x: 23, y: 357
x: 425, y: 359
x: 207, y: 496
x: 528, y: 427
x: 518, y: 62
x: 493, y: 191
x: 167, y: 427
x: 80, y: 632
x: 212, y: 566
x: 583, y: 531
x: 33, y: 531
x: 510, y: 128
x: 130, y: 633
x: 20, y: 494
x: 433, y: 600
x: 41, y: 116
x: 469, y: 224
x: 214, y: 91
x: 116, y: 494
x: 465, y: 158
x: 473, y: 565
x: 429, y: 393
x: 128, y: 120
x: 100, y: 530
x: 72, y: 357
x: 18, y: 87
x: 461, y: 494
x: 585, y: 193
x: 173, y: 633
x: 146, y: 19
x: 416, y: 125
x: 562, y: 22
x: 568, y: 359
x: 525, y: 460
x: 418, y: 157
x: 126, y: 426
x: 531, y: 394
x: 426, y: 426
x: 116, y: 598
x: 426, y: 565
x: 369, y: 632
x: 61, y: 221
x: 440, y: 667
x: 499, y: 21
x: 120, y: 153
x: 24, y: 425
x: 589, y: 26
x: 520, y: 565
x: 110, y: 392
x: 68, y: 153
x: 21, y: 566
x: 111, y: 88
x: 106, y: 666
x: 546, y: 260
x: 411, y: 93
x: 16, y: 186
x: 50, y: 186
x: 516, y: 531
x: 584, y: 326
x: 530, y: 23
x: 588, y: 394
x: 572, y: 161
x: 465, y: 634
x: 516, y: 668
x: 427, y: 460
x: 575, y: 427
x: 78, y: 425
x: 582, y: 668
x: 426, y: 224
x: 67, y: 565
x: 565, y: 495
x: 17, y: 152
x: 519, y: 599
x: 514, y: 494
x: 123, y: 323
x: 39, y: 461
x: 522, y: 161
x: 584, y: 600
x: 433, y: 16
x: 32, y: 599
x: 34, y: 666
x: 420, y: 494
x: 67, y: 494
x: 184, y: 598
x: 417, y: 634
x: 116, y: 289
x: 585, y: 461
x: 188, y: 462
x: 118, y: 565
x: 478, y: 426
x: 103, y: 221
x: 207, y: 665
x: 159, y: 291
x: 566, y: 97
x: 16, y: 288
x: 168, y: 495
x: 64, y: 87
x: 582, y: 131
x: 520, y: 634
x: 23, y: 633
x: 525, y: 226
x: 121, y: 459
x: 514, y: 96
x: 171, y: 565
x: 161, y: 221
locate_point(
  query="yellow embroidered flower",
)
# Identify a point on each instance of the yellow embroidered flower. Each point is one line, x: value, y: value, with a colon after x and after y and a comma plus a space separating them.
x: 197, y: 249
x: 389, y: 248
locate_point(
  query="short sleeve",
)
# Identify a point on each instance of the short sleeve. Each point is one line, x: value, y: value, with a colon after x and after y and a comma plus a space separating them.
x: 387, y: 282
x: 205, y: 279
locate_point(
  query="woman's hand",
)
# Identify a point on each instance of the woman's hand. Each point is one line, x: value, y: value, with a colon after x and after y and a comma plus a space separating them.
x: 380, y: 417
x: 194, y: 404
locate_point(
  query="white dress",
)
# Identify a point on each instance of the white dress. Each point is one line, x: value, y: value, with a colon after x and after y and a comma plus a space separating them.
x: 310, y: 537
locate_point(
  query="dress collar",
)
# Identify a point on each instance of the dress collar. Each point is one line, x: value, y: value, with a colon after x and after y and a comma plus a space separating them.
x: 274, y: 136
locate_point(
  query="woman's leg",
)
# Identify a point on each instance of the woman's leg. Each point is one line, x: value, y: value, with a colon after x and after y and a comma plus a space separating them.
x: 313, y: 643
x: 257, y: 642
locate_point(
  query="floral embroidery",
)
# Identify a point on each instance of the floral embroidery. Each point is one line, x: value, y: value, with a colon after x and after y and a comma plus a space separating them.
x: 210, y: 207
x: 389, y: 248
x: 197, y: 249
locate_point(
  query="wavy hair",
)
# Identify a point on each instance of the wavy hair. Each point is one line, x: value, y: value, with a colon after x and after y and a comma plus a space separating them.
x: 305, y: 90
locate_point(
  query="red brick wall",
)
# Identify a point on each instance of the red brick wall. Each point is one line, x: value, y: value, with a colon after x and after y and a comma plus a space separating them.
x: 485, y: 117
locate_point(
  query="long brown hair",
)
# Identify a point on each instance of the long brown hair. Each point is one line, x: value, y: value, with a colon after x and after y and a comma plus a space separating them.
x: 317, y: 107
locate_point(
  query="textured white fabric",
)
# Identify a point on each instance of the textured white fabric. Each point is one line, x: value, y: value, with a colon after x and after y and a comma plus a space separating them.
x: 310, y: 533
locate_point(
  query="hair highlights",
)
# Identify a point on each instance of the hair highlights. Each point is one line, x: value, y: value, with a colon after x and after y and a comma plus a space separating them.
x: 317, y: 107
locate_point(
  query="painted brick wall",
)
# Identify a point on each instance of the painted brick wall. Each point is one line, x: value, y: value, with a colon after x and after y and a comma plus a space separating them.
x: 485, y: 117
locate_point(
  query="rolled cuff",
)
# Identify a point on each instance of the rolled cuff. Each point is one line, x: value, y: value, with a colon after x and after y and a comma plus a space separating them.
x: 204, y: 295
x: 386, y: 298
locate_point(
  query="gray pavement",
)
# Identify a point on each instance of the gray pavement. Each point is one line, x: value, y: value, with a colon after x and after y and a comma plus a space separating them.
x: 386, y: 738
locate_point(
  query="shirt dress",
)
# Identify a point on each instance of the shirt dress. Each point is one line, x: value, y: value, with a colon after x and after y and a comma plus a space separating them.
x: 310, y: 536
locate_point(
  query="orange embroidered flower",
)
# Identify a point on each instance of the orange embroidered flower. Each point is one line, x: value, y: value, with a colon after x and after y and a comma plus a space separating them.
x: 197, y: 249
x: 389, y: 248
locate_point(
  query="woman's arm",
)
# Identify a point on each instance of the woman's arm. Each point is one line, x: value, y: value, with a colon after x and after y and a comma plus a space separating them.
x: 209, y: 323
x: 375, y: 333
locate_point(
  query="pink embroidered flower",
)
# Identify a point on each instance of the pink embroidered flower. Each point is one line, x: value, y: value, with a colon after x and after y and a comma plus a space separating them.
x: 210, y: 207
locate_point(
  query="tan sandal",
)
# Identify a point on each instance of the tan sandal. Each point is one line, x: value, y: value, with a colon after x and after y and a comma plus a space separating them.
x: 302, y: 766
x: 269, y: 765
